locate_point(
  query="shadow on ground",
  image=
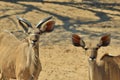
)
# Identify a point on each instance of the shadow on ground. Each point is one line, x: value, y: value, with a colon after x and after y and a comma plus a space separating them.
x: 103, y: 16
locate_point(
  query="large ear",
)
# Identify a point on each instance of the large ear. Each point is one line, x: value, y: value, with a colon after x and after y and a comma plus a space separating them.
x: 25, y: 24
x: 77, y: 41
x: 105, y: 40
x: 46, y: 25
x: 49, y: 26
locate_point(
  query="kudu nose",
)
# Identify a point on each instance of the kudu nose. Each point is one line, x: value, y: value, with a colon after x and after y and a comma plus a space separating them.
x: 92, y: 58
x: 34, y: 41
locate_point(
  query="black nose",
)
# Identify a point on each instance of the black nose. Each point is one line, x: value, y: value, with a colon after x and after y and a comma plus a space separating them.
x: 34, y: 40
x: 92, y: 57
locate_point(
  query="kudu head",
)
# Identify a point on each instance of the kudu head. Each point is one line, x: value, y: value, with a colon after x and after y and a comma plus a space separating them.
x: 92, y: 51
x: 45, y: 25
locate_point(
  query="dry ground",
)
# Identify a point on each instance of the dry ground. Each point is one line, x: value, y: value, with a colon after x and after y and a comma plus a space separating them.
x: 60, y: 60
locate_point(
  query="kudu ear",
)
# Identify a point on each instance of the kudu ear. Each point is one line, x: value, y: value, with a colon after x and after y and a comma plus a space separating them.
x: 25, y: 24
x: 105, y: 40
x: 46, y: 25
x: 77, y: 41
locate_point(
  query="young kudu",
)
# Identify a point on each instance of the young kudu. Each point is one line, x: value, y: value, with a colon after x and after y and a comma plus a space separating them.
x: 107, y: 67
x: 20, y: 59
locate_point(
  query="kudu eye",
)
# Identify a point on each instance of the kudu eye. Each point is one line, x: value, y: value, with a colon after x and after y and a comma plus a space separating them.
x: 29, y: 32
x: 38, y: 32
x: 96, y: 48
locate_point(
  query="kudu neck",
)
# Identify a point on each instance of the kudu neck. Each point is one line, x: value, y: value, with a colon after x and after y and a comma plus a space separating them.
x: 34, y: 48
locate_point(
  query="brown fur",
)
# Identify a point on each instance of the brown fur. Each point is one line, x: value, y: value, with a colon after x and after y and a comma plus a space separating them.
x: 108, y: 68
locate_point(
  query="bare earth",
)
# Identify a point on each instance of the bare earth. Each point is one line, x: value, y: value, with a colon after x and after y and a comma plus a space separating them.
x: 60, y: 59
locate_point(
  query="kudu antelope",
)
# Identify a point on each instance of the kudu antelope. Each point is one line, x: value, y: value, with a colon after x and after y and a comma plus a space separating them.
x: 20, y: 59
x: 107, y: 67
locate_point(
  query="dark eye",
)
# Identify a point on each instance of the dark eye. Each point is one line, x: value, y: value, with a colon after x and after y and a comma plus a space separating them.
x: 95, y: 48
x: 37, y: 33
x: 29, y: 32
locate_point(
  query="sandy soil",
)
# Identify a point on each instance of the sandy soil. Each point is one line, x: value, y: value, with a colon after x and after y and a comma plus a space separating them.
x: 60, y: 59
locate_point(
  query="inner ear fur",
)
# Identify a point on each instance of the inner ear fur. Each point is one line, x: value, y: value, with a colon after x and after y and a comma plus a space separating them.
x: 48, y: 26
x: 105, y: 40
x: 25, y: 24
x: 77, y: 41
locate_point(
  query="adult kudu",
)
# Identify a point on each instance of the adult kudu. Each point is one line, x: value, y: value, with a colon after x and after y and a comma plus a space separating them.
x: 20, y: 59
x: 106, y: 67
